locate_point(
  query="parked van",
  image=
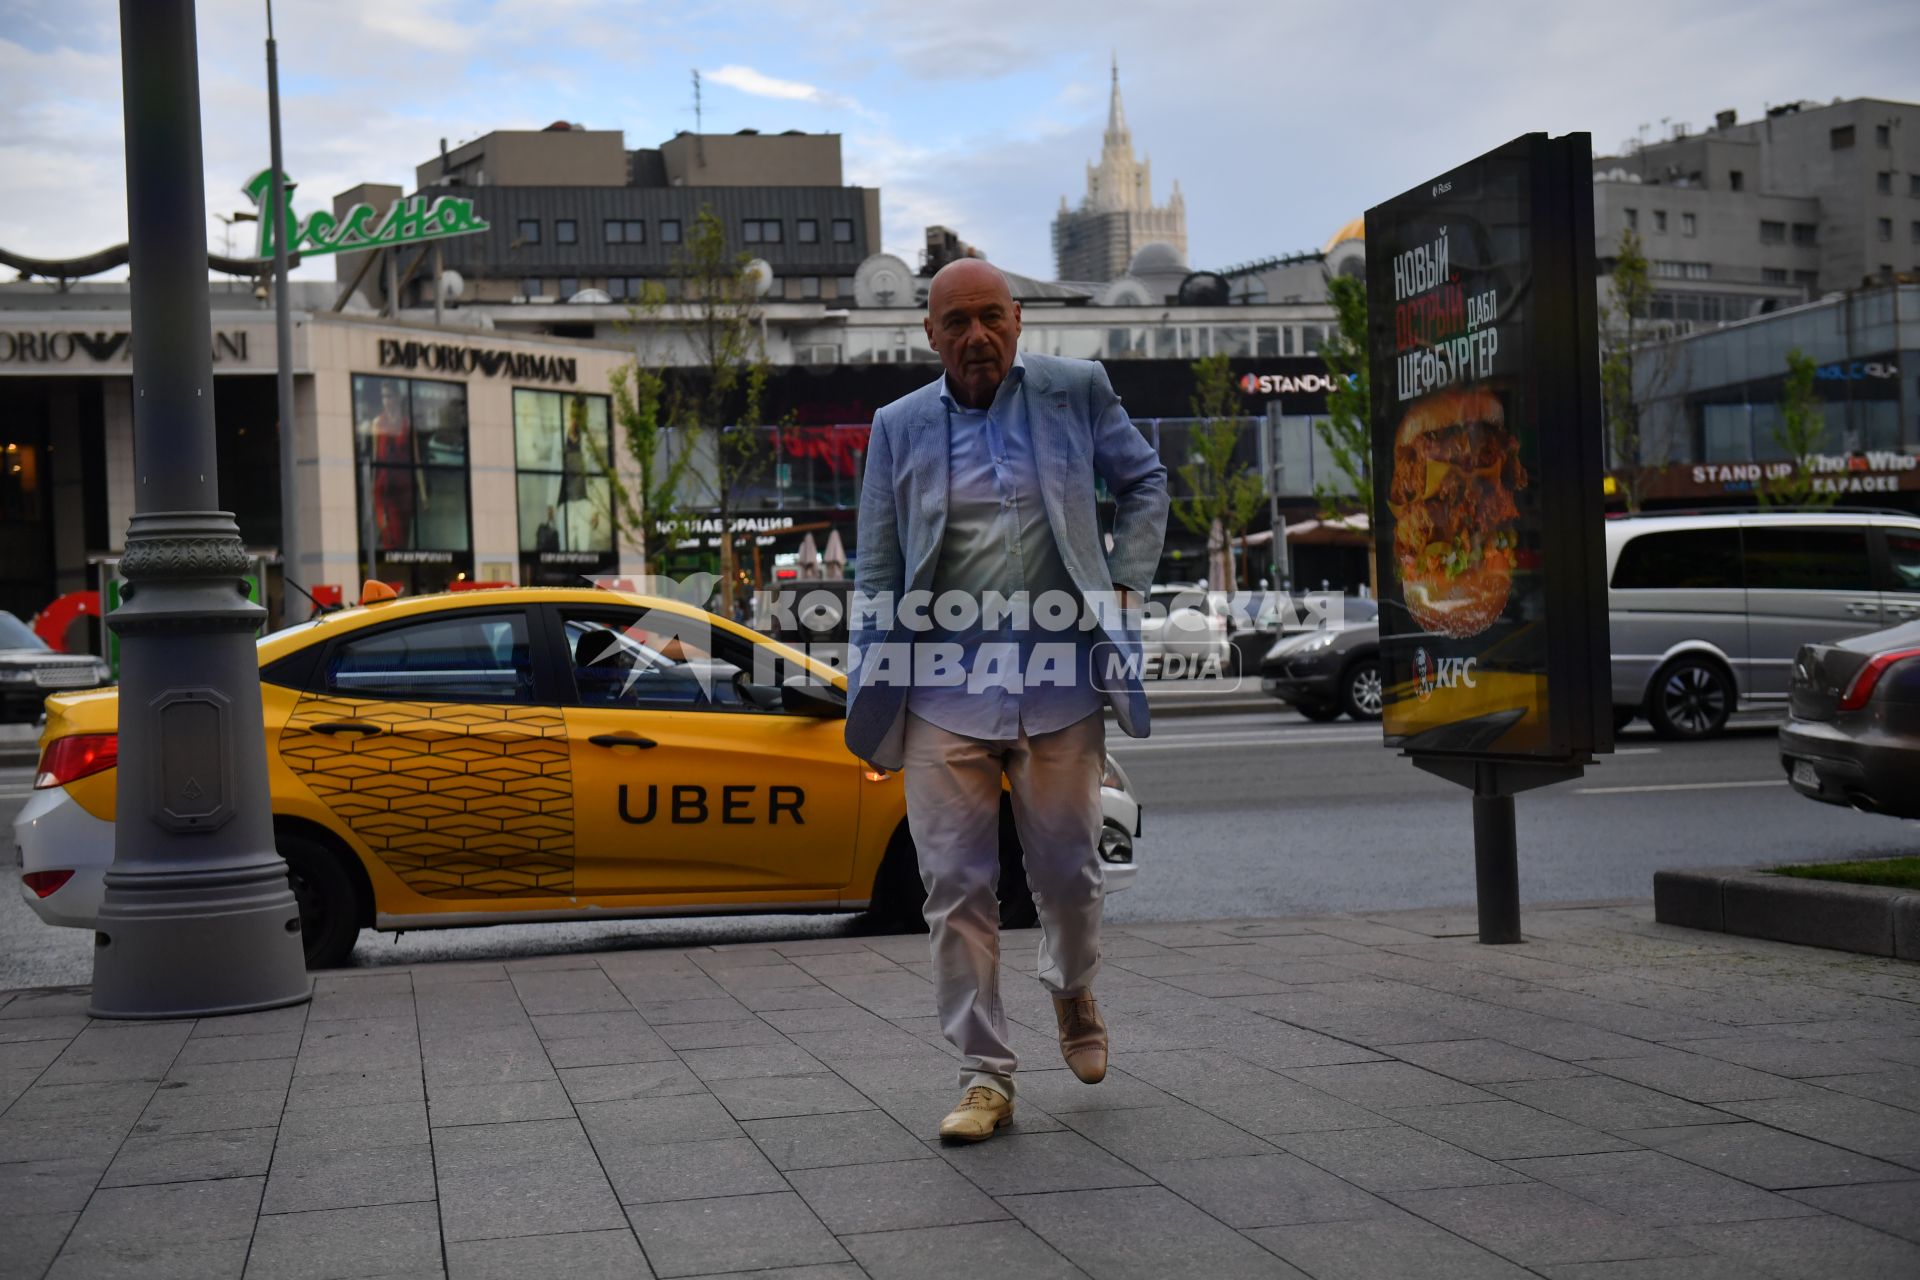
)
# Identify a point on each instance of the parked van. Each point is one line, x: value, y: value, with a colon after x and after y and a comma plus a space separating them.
x: 1707, y: 612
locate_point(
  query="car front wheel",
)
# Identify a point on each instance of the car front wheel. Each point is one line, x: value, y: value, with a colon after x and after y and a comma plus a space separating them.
x: 1361, y: 694
x: 1691, y: 698
x: 329, y: 908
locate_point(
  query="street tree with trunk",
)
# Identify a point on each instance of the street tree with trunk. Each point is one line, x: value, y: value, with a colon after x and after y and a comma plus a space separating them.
x: 688, y: 405
x: 1635, y: 362
x: 1802, y: 429
x: 1347, y: 430
x: 1223, y: 492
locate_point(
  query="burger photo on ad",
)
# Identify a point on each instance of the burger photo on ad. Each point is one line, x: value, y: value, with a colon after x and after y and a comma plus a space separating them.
x: 1456, y: 469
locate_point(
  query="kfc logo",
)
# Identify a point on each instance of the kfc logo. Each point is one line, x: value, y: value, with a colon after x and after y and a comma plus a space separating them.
x: 1430, y: 673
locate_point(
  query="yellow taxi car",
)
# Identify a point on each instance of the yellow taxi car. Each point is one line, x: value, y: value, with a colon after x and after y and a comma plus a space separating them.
x: 528, y: 754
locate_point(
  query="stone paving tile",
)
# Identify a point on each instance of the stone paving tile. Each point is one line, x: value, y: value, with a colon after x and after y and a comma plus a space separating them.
x: 688, y: 1170
x: 267, y: 1044
x: 766, y: 1097
x: 702, y: 1237
x: 893, y: 1196
x: 920, y: 1111
x: 363, y: 1044
x: 1059, y: 1091
x: 34, y: 1055
x: 355, y: 1088
x: 619, y: 1082
x: 29, y: 1241
x: 108, y: 1051
x: 1022, y: 1163
x: 1893, y: 1207
x: 581, y: 1255
x: 720, y: 1035
x: 538, y: 1177
x: 51, y: 1186
x: 1855, y: 1123
x: 1767, y: 1157
x: 1395, y: 1159
x: 1787, y: 1056
x: 966, y: 1252
x: 394, y: 1239
x: 691, y: 1117
x: 186, y: 1229
x: 191, y: 1157
x: 353, y: 1178
x: 816, y: 1141
x: 1143, y: 1232
x: 181, y: 1109
x: 385, y: 1124
x: 1657, y: 1189
x: 1897, y: 1088
x: 1503, y: 1130
x: 1387, y: 1084
x: 493, y: 1055
x: 1142, y: 1135
x: 497, y: 1103
x: 1482, y: 1061
x: 1696, y: 1078
x: 20, y: 1030
x: 1811, y: 1249
x: 1602, y: 1102
x: 1266, y: 1190
x: 1537, y: 1225
x: 568, y: 991
x: 751, y: 1060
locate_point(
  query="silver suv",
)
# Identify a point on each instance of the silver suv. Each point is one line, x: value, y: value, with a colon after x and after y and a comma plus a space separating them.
x: 1708, y: 611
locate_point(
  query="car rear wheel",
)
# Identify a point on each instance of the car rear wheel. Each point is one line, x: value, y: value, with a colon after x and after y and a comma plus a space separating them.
x: 329, y: 907
x: 1361, y: 695
x: 1318, y: 711
x: 1690, y: 698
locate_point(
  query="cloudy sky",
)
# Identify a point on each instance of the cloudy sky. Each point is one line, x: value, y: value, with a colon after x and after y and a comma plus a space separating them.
x: 1280, y: 118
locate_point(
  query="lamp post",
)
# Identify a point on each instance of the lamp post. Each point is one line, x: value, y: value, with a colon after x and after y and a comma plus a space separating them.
x: 197, y: 917
x: 290, y: 569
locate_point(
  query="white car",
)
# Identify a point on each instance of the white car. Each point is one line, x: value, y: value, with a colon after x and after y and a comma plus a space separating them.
x: 1183, y: 632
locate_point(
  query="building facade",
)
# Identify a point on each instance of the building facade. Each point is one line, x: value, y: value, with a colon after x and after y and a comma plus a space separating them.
x: 572, y: 211
x: 1117, y: 217
x: 1746, y: 218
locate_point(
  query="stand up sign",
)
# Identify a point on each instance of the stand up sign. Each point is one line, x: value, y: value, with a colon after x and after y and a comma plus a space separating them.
x: 1488, y: 502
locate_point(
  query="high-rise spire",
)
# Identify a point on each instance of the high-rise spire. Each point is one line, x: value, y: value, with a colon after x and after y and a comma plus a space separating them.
x: 1117, y: 114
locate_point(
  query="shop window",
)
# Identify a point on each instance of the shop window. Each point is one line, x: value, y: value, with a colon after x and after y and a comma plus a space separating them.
x: 563, y: 445
x: 410, y: 441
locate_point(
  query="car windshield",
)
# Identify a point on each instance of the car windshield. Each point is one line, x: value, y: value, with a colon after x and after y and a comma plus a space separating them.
x: 15, y: 634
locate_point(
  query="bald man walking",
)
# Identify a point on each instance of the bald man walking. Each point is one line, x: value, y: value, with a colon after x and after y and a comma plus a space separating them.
x: 993, y: 624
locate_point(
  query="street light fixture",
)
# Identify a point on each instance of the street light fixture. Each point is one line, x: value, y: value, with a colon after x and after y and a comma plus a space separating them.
x: 197, y: 917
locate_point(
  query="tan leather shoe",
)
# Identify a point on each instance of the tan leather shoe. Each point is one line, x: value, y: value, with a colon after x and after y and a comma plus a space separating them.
x: 1083, y: 1036
x: 981, y: 1111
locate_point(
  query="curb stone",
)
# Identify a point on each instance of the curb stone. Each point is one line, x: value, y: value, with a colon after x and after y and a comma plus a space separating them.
x: 1868, y: 919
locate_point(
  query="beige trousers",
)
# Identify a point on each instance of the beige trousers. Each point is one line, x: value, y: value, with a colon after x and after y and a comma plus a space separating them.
x: 953, y: 812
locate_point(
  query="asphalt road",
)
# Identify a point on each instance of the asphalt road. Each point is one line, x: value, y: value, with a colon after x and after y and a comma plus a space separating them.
x: 1262, y: 813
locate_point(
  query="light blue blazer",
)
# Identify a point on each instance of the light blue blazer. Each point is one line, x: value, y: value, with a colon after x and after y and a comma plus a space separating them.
x: 1079, y: 432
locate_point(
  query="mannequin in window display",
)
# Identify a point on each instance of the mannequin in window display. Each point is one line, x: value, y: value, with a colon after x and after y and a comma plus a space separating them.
x: 397, y: 480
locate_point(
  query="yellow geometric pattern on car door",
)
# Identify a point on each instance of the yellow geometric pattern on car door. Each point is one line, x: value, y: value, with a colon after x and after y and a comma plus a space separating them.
x: 459, y: 800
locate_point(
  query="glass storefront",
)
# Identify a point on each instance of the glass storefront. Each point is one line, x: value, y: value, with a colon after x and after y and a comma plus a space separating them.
x: 410, y: 447
x: 562, y: 443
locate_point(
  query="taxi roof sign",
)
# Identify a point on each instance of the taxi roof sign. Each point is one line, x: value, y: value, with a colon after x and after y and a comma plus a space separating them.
x: 374, y: 591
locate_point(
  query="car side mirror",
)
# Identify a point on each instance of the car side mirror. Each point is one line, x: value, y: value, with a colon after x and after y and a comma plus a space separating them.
x: 761, y: 697
x: 802, y: 697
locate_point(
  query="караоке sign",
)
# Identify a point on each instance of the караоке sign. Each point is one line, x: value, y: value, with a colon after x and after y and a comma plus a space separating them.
x: 1487, y: 457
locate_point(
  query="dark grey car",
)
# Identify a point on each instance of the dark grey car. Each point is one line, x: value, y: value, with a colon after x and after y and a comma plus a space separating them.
x: 1323, y: 673
x: 1853, y: 736
x: 30, y: 670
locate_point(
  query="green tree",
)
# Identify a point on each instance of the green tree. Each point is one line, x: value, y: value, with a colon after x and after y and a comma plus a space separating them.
x: 689, y: 404
x: 1347, y: 430
x: 1802, y: 429
x: 1222, y: 492
x: 1634, y: 364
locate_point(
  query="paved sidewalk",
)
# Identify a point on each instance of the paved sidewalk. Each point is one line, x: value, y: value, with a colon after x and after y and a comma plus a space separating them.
x: 1337, y: 1097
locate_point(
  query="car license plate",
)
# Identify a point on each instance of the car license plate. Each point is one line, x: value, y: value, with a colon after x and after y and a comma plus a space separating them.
x: 1804, y: 776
